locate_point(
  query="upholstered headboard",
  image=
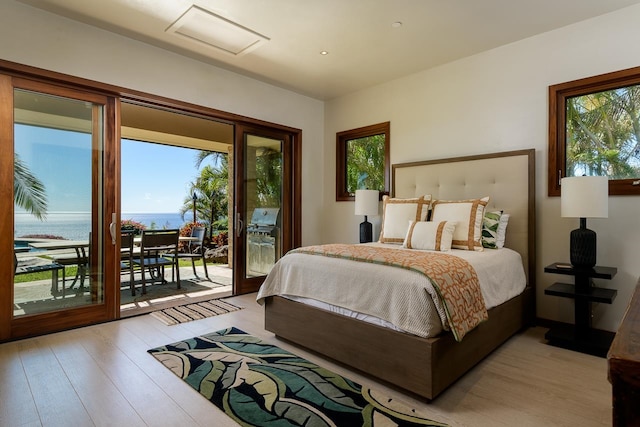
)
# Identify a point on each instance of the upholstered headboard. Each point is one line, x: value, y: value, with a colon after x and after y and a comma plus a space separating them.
x: 508, y: 178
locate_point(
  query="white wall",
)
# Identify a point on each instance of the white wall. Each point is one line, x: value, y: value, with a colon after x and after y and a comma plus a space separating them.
x: 497, y: 101
x: 33, y: 37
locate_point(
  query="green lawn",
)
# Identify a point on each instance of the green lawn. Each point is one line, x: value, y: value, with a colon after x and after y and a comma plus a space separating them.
x: 70, y: 272
x: 43, y: 275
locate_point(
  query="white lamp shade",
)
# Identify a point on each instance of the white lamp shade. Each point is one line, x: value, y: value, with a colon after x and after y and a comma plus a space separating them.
x: 584, y: 197
x: 367, y: 202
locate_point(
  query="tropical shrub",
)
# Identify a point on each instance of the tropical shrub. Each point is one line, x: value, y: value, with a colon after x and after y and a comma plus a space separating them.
x: 131, y: 225
x: 220, y: 239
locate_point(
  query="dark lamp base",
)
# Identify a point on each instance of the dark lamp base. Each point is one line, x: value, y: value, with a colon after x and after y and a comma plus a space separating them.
x: 366, y: 231
x: 583, y: 246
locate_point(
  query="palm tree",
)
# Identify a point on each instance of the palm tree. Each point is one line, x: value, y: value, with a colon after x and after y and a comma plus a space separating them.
x: 603, y: 133
x: 269, y: 178
x: 28, y: 191
x: 210, y: 188
x: 216, y: 156
x: 366, y: 157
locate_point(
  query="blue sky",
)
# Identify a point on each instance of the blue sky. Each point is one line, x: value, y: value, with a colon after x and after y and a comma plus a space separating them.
x: 155, y: 178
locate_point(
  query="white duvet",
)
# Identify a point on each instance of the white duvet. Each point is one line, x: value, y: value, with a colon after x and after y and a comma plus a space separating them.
x: 388, y: 296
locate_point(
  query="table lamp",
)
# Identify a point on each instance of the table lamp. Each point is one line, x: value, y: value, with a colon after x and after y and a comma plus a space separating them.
x: 584, y: 197
x: 367, y: 205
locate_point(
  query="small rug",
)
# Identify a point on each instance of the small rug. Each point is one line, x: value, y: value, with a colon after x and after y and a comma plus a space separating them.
x: 194, y: 311
x: 259, y: 384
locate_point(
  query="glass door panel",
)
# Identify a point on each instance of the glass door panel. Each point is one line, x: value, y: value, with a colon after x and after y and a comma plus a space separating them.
x: 263, y: 203
x: 58, y: 198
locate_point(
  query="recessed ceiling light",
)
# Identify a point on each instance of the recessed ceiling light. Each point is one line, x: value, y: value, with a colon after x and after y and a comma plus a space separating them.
x: 324, y: 52
x: 396, y: 24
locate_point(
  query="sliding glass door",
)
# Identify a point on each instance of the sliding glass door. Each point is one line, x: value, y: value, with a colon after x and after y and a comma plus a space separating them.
x: 60, y: 185
x: 264, y: 200
x: 60, y: 206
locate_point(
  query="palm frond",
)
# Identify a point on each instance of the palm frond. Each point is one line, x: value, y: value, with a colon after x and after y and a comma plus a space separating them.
x: 28, y: 191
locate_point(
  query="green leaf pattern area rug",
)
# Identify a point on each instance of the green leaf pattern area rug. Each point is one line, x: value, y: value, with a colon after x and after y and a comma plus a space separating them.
x: 259, y: 384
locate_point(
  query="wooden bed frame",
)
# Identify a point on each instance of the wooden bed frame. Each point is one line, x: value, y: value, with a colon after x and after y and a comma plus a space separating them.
x: 427, y: 366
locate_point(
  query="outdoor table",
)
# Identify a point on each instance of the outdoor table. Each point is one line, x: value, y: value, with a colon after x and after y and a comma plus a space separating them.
x: 79, y: 246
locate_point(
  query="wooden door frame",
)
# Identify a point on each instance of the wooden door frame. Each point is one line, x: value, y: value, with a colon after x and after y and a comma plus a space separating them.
x: 36, y: 324
x: 118, y: 94
x: 291, y: 214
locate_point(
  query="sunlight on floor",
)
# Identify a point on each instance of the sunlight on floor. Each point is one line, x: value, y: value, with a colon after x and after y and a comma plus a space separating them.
x: 180, y: 298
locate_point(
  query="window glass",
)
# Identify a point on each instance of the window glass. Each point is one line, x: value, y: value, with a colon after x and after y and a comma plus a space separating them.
x: 603, y: 134
x: 58, y: 170
x: 365, y: 163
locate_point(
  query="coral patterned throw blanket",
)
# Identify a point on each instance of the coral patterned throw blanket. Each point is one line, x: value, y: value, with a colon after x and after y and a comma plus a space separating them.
x: 454, y: 279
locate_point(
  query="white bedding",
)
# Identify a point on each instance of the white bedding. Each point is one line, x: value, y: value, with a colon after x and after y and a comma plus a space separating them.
x: 499, y: 271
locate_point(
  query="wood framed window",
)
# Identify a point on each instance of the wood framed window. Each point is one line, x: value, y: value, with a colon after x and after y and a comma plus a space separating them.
x: 594, y: 130
x: 362, y: 160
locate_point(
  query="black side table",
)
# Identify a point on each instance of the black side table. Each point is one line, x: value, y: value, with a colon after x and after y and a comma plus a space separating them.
x: 581, y: 336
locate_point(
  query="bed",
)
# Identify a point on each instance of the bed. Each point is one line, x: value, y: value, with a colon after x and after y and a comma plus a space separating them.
x: 422, y: 365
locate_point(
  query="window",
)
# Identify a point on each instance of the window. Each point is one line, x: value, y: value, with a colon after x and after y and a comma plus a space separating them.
x: 594, y: 129
x: 362, y: 160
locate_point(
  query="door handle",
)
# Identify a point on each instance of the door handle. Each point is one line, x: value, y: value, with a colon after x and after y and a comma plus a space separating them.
x: 239, y: 226
x: 112, y: 228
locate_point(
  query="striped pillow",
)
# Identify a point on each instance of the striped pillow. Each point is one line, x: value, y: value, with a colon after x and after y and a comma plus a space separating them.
x: 468, y: 214
x: 429, y: 235
x: 396, y: 214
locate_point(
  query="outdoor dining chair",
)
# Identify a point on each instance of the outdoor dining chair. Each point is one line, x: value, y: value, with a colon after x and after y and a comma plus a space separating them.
x: 194, y: 250
x: 126, y: 257
x: 155, y: 248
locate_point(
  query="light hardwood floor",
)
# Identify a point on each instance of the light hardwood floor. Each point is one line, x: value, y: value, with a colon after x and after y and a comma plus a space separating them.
x: 102, y: 375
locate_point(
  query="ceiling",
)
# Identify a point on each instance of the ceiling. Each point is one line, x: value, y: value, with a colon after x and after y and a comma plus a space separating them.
x: 368, y: 42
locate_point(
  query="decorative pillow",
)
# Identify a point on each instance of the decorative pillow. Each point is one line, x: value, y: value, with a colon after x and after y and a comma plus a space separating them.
x: 502, y: 230
x: 490, y: 225
x: 429, y: 235
x: 396, y: 214
x: 468, y: 214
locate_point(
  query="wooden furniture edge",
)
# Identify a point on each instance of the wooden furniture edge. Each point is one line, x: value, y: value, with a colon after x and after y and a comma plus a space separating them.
x: 424, y: 366
x: 624, y: 366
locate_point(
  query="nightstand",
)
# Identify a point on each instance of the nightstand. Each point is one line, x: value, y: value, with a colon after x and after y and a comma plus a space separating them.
x: 581, y: 336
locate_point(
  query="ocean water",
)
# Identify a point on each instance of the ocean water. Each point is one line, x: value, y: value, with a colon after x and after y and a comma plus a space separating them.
x: 76, y: 225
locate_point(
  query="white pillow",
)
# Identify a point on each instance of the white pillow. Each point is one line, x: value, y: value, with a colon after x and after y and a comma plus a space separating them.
x: 468, y: 214
x: 502, y: 230
x: 429, y: 235
x: 396, y: 214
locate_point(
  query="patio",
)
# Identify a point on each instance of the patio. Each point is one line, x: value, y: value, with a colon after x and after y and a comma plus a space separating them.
x: 36, y: 297
x: 193, y: 289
